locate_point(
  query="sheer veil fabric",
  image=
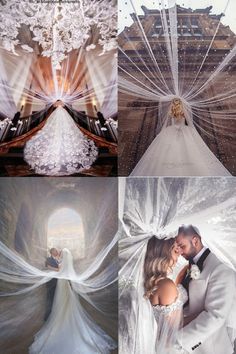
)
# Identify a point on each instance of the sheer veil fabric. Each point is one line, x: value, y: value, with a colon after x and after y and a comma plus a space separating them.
x: 179, y: 150
x: 163, y: 56
x: 84, y: 312
x: 69, y: 327
x: 60, y: 148
x: 158, y: 206
x: 22, y: 79
x: 68, y: 320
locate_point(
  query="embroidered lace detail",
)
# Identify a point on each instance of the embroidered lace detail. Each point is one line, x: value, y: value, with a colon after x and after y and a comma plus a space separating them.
x: 60, y: 148
x: 177, y: 305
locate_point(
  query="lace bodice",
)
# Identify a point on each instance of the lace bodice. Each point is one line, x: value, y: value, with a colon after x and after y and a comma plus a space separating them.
x: 178, y: 122
x: 177, y: 305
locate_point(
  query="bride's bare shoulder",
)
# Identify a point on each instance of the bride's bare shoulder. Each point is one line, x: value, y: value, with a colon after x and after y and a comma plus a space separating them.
x: 166, y: 292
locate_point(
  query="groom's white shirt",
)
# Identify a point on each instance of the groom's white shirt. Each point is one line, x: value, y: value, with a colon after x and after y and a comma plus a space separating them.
x: 211, y: 299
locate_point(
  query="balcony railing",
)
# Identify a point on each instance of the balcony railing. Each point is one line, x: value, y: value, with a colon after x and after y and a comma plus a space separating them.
x: 106, y: 129
x: 10, y: 132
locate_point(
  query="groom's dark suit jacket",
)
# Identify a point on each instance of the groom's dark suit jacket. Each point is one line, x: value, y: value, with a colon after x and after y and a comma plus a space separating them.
x: 185, y: 282
x: 51, y: 286
x: 52, y: 262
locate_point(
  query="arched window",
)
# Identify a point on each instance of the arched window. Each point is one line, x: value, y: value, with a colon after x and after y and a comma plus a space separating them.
x: 65, y: 230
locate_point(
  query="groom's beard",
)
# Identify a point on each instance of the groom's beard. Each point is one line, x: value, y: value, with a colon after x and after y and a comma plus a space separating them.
x: 192, y: 253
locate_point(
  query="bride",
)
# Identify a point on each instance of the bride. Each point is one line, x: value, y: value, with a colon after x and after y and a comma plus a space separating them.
x: 60, y: 148
x: 166, y: 296
x: 178, y: 150
x: 69, y: 329
x: 160, y: 306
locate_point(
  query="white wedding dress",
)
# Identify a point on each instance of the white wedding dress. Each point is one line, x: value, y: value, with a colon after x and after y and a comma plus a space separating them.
x: 60, y: 148
x: 144, y: 328
x: 169, y: 320
x: 178, y: 150
x: 69, y: 329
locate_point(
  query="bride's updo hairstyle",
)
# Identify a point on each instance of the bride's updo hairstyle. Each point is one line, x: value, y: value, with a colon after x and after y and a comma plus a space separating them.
x: 177, y: 110
x: 158, y: 262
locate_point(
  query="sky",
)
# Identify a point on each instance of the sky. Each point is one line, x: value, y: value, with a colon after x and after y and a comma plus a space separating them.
x: 226, y: 6
x: 64, y: 218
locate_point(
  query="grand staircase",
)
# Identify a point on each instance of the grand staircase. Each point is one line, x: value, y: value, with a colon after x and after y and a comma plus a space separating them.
x: 12, y: 162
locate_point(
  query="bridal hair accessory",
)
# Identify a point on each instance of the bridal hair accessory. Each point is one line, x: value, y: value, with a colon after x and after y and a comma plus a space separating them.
x: 194, y: 272
x: 148, y: 229
x: 137, y: 228
x: 163, y: 234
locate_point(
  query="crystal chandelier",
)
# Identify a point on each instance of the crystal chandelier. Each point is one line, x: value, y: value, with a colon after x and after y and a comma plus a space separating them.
x: 58, y: 26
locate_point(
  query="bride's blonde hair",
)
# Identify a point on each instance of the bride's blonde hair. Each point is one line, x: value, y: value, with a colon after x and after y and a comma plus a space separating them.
x: 158, y: 262
x: 177, y: 110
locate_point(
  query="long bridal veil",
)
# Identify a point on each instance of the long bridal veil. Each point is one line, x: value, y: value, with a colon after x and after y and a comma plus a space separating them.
x: 177, y: 49
x: 60, y: 148
x: 68, y: 319
x: 84, y: 312
x: 178, y: 150
x: 158, y: 206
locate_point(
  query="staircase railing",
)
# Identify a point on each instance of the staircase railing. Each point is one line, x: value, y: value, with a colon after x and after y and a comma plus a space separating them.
x: 108, y: 130
x: 32, y: 124
x: 20, y: 140
x: 9, y: 131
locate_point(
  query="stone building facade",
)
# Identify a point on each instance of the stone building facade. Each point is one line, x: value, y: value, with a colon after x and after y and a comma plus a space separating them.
x: 197, y: 31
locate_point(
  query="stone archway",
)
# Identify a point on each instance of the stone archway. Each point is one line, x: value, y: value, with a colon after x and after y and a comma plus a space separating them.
x: 65, y: 229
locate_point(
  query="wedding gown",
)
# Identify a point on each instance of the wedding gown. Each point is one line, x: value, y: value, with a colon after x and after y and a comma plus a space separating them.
x: 69, y: 329
x: 60, y: 148
x: 169, y: 321
x: 179, y: 151
x: 144, y: 328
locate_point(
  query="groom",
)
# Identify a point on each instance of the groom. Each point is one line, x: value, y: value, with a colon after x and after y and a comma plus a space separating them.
x: 52, y: 263
x: 211, y: 290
